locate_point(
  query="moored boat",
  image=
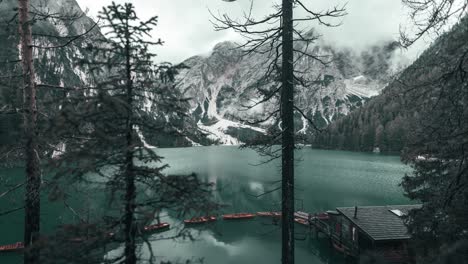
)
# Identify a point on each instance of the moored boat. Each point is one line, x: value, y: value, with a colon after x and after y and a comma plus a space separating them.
x: 342, y: 248
x: 12, y: 247
x: 302, y: 215
x: 200, y: 220
x: 339, y: 248
x: 89, y: 238
x: 301, y: 221
x: 273, y: 214
x: 322, y: 216
x: 156, y: 227
x: 238, y: 216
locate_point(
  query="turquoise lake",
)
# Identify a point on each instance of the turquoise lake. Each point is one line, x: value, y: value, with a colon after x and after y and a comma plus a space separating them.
x: 324, y: 180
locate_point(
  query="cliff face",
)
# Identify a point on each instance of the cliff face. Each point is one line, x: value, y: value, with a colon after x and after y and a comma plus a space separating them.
x: 224, y: 82
x: 57, y: 60
x: 54, y: 66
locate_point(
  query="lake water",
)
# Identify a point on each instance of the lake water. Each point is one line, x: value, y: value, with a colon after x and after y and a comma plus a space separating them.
x: 324, y: 180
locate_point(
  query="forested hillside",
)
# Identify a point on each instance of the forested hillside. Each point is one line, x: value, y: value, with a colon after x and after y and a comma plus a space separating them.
x: 386, y: 121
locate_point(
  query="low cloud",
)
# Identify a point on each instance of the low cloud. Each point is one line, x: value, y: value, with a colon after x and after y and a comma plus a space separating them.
x: 186, y: 29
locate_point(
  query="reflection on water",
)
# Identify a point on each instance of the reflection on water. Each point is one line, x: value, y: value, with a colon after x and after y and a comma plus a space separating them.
x: 324, y: 180
x: 256, y: 188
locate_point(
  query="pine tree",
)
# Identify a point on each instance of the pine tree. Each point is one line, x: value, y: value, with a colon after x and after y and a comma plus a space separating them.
x: 33, y: 172
x: 103, y: 128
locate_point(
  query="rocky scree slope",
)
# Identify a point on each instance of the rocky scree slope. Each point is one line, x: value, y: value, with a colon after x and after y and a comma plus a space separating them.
x: 222, y: 83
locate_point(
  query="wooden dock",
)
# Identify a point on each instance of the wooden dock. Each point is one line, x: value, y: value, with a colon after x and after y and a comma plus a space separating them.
x: 320, y: 224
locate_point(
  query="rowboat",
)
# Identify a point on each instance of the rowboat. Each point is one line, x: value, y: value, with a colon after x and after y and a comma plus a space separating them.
x: 322, y: 216
x: 301, y: 221
x: 12, y: 247
x: 156, y: 227
x: 302, y: 215
x: 306, y: 216
x: 88, y: 238
x: 272, y: 214
x: 238, y: 216
x: 342, y: 248
x: 200, y: 220
x: 339, y: 248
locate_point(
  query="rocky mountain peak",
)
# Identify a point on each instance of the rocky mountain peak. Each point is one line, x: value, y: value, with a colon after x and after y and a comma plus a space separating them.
x: 225, y: 46
x: 222, y: 83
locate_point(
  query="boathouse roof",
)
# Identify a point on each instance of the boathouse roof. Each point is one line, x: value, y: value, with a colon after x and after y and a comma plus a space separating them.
x: 380, y: 222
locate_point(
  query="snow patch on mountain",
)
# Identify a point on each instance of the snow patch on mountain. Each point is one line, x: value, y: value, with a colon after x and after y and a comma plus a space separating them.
x: 217, y: 134
x: 361, y: 86
x: 218, y: 131
x: 142, y: 138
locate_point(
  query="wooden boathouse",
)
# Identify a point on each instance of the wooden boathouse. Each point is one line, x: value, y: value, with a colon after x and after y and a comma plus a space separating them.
x: 377, y: 229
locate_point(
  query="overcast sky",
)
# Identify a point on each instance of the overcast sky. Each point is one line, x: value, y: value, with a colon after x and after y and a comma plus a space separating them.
x: 185, y: 27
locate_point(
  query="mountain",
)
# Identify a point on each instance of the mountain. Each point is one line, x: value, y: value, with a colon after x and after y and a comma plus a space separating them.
x: 54, y: 66
x: 59, y: 70
x: 219, y: 84
x: 222, y: 83
x: 388, y: 121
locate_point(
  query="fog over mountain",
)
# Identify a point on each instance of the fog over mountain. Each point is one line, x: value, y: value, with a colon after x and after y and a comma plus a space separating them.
x: 188, y: 31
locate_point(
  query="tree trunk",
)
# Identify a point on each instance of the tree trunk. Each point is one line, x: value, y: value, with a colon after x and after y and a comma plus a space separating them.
x: 130, y: 228
x: 33, y: 175
x: 287, y: 121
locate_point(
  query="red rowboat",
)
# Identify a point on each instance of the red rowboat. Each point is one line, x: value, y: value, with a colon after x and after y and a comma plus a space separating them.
x: 200, y: 220
x: 12, y: 247
x: 273, y: 214
x: 147, y: 229
x: 82, y: 239
x: 156, y: 227
x: 78, y: 239
x: 322, y: 216
x: 341, y: 248
x: 238, y: 216
x: 301, y: 221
